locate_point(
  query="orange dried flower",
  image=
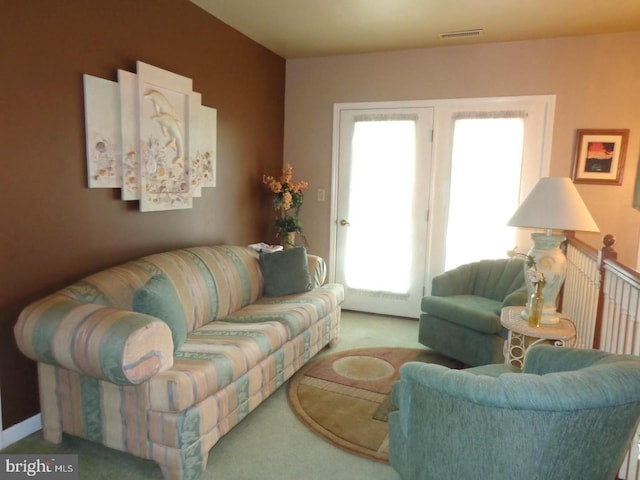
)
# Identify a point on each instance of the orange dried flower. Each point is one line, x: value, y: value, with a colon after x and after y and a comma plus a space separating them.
x: 287, y: 195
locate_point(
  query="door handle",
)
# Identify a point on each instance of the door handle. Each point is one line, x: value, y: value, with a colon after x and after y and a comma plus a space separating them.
x: 344, y: 223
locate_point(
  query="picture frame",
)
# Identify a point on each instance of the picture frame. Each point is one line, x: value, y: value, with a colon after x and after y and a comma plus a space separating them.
x: 600, y: 156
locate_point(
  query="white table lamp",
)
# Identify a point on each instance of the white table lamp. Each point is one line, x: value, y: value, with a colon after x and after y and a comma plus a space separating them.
x: 553, y: 204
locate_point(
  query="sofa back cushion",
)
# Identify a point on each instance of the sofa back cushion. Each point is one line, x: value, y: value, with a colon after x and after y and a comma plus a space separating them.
x: 211, y: 282
x: 285, y: 272
x: 498, y: 278
x: 494, y: 279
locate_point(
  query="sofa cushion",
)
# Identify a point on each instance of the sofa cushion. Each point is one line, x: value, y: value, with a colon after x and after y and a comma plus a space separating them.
x: 211, y: 358
x: 296, y: 312
x: 285, y: 272
x: 220, y: 352
x: 470, y: 311
x: 159, y: 299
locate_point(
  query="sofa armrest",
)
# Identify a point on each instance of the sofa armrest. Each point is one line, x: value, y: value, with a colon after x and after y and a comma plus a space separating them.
x: 105, y: 343
x: 317, y: 270
x: 469, y: 311
x: 517, y: 298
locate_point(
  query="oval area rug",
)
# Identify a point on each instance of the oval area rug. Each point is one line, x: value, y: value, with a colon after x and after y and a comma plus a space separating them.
x: 345, y: 397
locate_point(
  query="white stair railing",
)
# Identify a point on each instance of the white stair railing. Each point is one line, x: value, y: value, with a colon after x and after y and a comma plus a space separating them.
x: 602, y: 298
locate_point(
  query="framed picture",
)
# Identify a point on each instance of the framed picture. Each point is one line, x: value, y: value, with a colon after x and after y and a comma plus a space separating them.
x: 600, y: 156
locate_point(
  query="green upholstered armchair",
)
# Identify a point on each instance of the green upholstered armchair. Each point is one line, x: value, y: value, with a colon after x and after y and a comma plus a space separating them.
x: 461, y: 317
x: 570, y: 415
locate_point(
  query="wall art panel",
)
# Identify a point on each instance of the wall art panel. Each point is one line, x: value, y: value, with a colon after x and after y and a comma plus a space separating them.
x: 102, y: 132
x: 150, y: 135
x: 128, y: 83
x: 165, y: 108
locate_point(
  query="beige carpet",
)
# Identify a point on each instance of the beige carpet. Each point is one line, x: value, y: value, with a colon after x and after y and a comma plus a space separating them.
x: 344, y: 397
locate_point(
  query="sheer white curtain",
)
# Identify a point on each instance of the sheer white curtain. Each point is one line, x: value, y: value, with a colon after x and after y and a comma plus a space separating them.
x: 485, y: 184
x: 378, y: 244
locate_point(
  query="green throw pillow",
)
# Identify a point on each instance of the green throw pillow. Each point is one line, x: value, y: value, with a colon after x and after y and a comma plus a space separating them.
x: 285, y: 272
x: 159, y: 299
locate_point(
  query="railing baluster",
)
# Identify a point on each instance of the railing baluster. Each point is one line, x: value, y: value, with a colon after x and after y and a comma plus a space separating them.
x: 579, y: 300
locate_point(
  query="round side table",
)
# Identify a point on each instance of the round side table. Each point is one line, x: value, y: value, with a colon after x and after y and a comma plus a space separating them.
x: 562, y: 334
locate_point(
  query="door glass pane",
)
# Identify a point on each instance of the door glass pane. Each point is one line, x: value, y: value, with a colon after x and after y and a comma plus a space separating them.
x: 485, y: 184
x: 379, y: 236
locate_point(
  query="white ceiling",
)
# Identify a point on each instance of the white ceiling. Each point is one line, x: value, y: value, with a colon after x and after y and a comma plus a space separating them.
x: 311, y: 28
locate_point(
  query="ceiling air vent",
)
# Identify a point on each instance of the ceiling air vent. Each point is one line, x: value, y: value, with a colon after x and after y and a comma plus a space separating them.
x: 462, y: 34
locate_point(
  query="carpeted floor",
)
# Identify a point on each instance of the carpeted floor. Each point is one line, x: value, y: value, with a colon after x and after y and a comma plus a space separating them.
x: 345, y: 397
x: 271, y: 443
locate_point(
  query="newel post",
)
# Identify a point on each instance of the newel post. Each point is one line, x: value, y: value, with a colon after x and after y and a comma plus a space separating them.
x: 608, y: 251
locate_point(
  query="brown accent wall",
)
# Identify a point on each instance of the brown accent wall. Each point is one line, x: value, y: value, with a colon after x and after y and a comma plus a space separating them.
x: 53, y: 228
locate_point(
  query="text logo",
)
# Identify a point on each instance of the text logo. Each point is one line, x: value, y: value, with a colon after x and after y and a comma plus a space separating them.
x: 44, y: 467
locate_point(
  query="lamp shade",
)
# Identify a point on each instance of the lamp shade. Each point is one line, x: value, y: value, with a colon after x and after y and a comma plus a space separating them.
x: 554, y: 204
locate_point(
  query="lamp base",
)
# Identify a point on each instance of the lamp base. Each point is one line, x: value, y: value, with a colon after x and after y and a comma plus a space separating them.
x: 550, y: 260
x: 550, y: 318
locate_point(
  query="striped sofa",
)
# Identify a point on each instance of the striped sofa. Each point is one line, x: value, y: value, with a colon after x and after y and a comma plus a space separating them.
x: 113, y: 375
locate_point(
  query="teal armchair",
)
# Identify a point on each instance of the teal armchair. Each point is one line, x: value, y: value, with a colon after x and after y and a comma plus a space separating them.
x: 461, y: 317
x: 570, y: 415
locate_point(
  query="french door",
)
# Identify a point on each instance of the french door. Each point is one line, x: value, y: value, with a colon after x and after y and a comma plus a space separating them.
x: 383, y: 171
x: 402, y: 182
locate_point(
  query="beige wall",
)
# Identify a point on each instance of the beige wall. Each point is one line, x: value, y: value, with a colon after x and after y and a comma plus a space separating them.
x: 595, y: 80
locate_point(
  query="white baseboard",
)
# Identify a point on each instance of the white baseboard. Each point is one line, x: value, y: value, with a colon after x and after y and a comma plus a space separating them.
x: 20, y: 430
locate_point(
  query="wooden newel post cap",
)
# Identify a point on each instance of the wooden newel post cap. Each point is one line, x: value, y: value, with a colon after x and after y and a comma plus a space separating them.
x: 609, y: 249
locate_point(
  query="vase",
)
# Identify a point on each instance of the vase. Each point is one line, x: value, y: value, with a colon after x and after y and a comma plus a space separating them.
x: 536, y: 303
x: 288, y: 240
